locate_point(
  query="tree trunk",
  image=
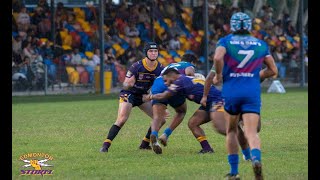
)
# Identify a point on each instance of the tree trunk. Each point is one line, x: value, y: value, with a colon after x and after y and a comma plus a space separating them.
x: 257, y: 6
x: 294, y: 12
x: 283, y: 8
x: 305, y: 18
x: 235, y: 3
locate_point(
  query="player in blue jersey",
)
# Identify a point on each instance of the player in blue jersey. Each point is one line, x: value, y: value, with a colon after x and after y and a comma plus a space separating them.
x: 185, y: 66
x: 238, y: 61
x: 220, y: 126
x: 192, y: 88
x: 138, y: 81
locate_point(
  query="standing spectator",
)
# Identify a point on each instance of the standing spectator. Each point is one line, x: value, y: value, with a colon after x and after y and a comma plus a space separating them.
x: 280, y: 59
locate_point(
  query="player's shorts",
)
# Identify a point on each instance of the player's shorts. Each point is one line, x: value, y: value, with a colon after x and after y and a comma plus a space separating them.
x: 214, y: 106
x: 159, y: 86
x: 127, y: 96
x: 237, y: 105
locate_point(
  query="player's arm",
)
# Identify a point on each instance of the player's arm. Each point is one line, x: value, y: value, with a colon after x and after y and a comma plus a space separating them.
x: 190, y: 71
x: 160, y: 96
x: 207, y: 85
x: 218, y: 63
x: 129, y: 82
x: 270, y: 70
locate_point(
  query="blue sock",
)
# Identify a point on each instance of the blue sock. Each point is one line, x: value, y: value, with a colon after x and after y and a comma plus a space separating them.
x: 233, y: 160
x: 256, y: 154
x: 246, y: 153
x: 168, y: 132
x: 155, y: 133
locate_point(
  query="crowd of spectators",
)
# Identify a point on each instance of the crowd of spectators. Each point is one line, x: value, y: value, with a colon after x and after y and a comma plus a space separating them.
x: 73, y: 56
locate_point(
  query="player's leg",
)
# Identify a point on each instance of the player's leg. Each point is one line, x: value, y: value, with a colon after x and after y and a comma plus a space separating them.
x: 180, y: 112
x: 147, y: 108
x: 245, y: 148
x: 232, y: 143
x: 159, y: 111
x: 198, y: 118
x: 251, y: 121
x: 251, y: 115
x: 124, y: 111
x: 243, y: 140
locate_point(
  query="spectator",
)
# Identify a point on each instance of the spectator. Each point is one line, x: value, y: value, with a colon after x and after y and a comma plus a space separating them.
x: 174, y: 43
x: 163, y: 41
x: 76, y: 57
x: 131, y: 30
x: 280, y: 60
x: 17, y: 45
x: 175, y: 29
x: 132, y: 54
x: 110, y: 60
x: 23, y: 19
x: 96, y: 57
x: 44, y: 5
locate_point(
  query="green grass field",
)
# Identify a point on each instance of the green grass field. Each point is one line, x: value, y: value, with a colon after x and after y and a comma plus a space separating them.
x: 71, y: 129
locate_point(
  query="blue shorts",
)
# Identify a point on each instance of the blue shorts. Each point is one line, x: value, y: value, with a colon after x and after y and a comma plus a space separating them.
x: 158, y: 87
x: 134, y: 99
x: 237, y: 105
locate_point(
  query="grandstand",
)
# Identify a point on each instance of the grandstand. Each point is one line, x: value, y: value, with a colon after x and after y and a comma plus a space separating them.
x: 69, y: 61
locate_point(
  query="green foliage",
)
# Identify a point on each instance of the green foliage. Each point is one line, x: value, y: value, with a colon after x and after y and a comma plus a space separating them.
x: 72, y: 132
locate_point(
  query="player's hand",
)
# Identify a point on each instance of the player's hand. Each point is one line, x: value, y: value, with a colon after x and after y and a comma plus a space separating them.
x: 217, y: 80
x: 146, y: 97
x: 203, y: 101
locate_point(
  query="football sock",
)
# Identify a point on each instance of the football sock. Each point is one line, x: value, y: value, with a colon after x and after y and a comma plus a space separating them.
x: 233, y: 160
x: 155, y: 133
x: 107, y: 143
x: 168, y: 132
x: 146, y: 140
x: 112, y: 134
x: 256, y: 154
x: 203, y: 142
x: 148, y: 133
x: 246, y: 153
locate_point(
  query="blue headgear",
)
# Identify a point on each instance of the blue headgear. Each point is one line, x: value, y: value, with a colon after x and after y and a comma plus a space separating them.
x: 240, y: 21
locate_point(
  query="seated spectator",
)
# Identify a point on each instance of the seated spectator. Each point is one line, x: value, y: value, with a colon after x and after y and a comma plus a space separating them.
x: 44, y: 5
x: 131, y: 31
x: 175, y: 30
x: 174, y: 43
x: 23, y: 19
x: 110, y: 65
x: 132, y: 54
x: 76, y: 57
x: 17, y: 45
x: 163, y: 41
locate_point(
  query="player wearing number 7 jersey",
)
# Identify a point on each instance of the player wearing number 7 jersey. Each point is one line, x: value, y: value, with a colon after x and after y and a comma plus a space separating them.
x: 238, y: 63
